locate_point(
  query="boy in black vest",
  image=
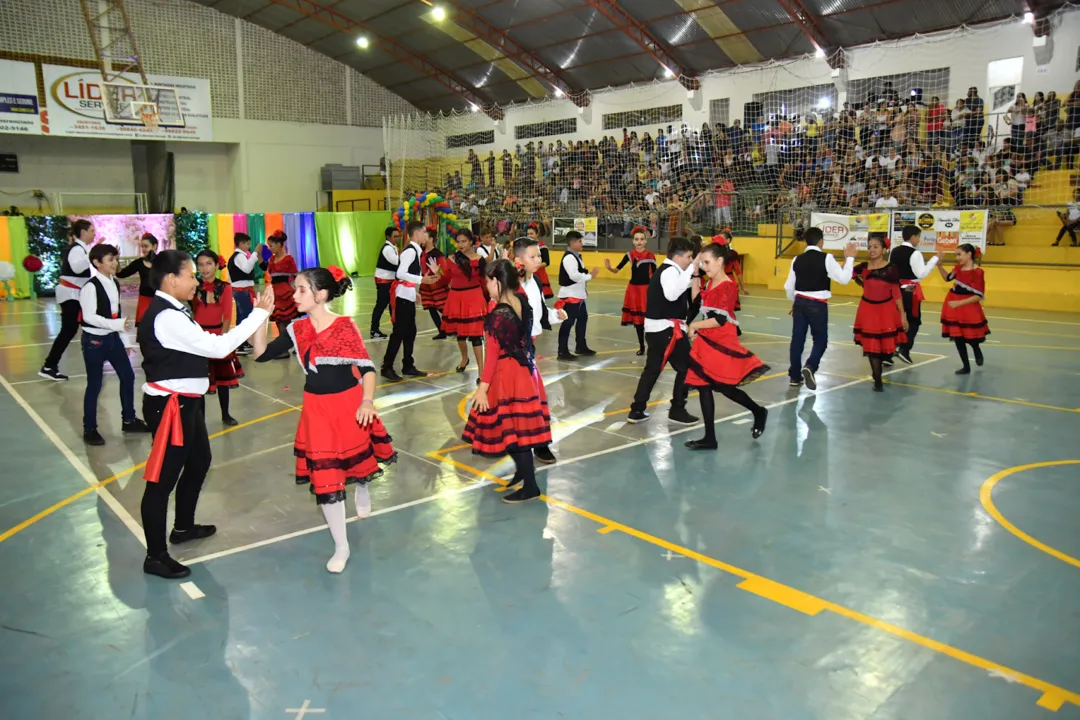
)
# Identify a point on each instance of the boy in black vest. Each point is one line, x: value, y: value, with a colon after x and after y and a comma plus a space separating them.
x: 912, y: 267
x: 74, y: 274
x: 175, y: 352
x: 242, y: 278
x: 573, y: 281
x: 385, y: 273
x: 809, y: 287
x: 666, y: 306
x: 403, y: 293
x: 99, y: 301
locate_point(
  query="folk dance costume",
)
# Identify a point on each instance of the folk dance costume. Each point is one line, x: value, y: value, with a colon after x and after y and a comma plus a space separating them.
x: 175, y: 354
x: 403, y: 314
x: 241, y: 269
x: 139, y: 267
x: 718, y: 362
x: 965, y: 325
x: 74, y: 274
x: 912, y: 268
x: 542, y: 273
x: 665, y: 336
x: 637, y: 291
x: 693, y: 303
x: 282, y: 274
x: 573, y: 292
x: 879, y: 323
x: 530, y: 292
x: 433, y: 295
x: 465, y: 308
x: 385, y: 272
x: 809, y: 287
x: 210, y: 306
x: 733, y: 269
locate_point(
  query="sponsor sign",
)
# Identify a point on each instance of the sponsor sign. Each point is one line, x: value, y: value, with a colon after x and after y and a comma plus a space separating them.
x: 585, y: 226
x: 18, y: 98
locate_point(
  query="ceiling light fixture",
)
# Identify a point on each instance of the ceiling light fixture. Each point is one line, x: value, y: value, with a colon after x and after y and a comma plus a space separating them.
x: 438, y: 13
x: 819, y: 53
x: 473, y: 107
x: 1029, y: 18
x: 558, y: 92
x: 668, y: 73
x: 362, y: 42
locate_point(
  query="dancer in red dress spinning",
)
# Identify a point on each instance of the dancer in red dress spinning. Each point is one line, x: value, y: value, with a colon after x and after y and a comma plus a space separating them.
x: 880, y: 321
x: 510, y: 410
x: 718, y: 362
x: 340, y: 439
x: 148, y: 245
x: 466, y: 307
x: 435, y: 285
x: 212, y: 309
x: 637, y: 292
x: 962, y: 318
x: 533, y: 233
x: 282, y: 269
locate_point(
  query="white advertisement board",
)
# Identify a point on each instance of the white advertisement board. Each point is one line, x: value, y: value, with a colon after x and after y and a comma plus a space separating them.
x: 18, y: 98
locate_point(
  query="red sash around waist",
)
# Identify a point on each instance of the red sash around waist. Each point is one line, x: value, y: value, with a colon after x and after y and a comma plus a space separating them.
x: 676, y: 336
x: 394, y: 285
x: 170, y: 431
x: 69, y: 284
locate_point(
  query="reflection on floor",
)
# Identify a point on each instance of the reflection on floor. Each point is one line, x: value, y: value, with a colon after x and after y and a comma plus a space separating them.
x: 842, y: 566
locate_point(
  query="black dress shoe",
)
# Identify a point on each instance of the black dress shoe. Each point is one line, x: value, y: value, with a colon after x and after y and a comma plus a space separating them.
x: 413, y: 373
x: 759, y: 423
x: 544, y: 455
x: 566, y: 356
x: 93, y: 437
x: 196, y: 532
x: 680, y: 415
x: 640, y: 352
x: 585, y: 352
x: 700, y: 445
x: 520, y: 496
x: 229, y: 421
x: 164, y: 566
x: 390, y: 375
x: 136, y: 426
x: 440, y: 336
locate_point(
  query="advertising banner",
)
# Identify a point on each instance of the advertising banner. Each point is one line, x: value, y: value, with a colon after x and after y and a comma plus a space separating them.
x: 585, y: 226
x: 942, y: 229
x: 18, y: 98
x: 839, y: 230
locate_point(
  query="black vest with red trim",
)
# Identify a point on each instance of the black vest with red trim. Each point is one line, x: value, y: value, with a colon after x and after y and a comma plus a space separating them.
x: 384, y: 264
x: 104, y: 306
x: 657, y: 306
x: 414, y: 265
x: 564, y: 277
x: 810, y: 272
x: 65, y: 266
x: 235, y: 273
x: 159, y: 362
x: 901, y: 258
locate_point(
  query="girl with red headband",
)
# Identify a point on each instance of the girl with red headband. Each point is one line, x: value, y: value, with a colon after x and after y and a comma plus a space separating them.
x: 962, y: 318
x: 282, y: 269
x: 880, y: 322
x: 141, y: 265
x: 641, y: 271
x: 466, y: 306
x: 340, y: 439
x: 435, y: 284
x: 212, y: 309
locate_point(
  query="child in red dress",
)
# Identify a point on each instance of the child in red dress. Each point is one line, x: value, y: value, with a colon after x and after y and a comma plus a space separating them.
x: 212, y: 310
x: 880, y: 321
x: 340, y: 439
x: 510, y: 410
x: 717, y: 360
x: 282, y: 269
x: 466, y: 306
x: 433, y: 294
x: 962, y: 318
x: 641, y: 271
x: 533, y: 233
x: 148, y: 245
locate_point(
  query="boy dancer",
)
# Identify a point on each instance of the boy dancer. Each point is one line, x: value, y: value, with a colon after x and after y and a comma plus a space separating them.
x: 385, y: 272
x: 913, y: 268
x: 403, y: 305
x: 99, y: 301
x: 242, y: 278
x: 572, y: 294
x: 666, y: 307
x: 74, y: 273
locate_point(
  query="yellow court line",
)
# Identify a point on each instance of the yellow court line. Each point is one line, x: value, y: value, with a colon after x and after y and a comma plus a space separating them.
x: 1010, y: 345
x: 1052, y: 696
x: 986, y: 495
x: 977, y: 396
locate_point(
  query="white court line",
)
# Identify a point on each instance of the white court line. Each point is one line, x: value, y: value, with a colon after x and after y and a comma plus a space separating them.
x: 743, y: 421
x: 16, y: 347
x: 110, y: 371
x: 192, y: 590
x: 80, y: 467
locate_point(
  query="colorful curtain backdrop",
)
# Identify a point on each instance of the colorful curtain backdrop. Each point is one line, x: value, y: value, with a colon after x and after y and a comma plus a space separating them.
x: 300, y: 229
x: 351, y: 240
x: 13, y: 248
x: 271, y: 222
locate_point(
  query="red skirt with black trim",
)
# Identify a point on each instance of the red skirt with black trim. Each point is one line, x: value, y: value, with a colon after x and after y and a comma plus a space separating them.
x: 517, y: 417
x: 879, y: 328
x: 464, y: 313
x: 225, y: 372
x: 967, y: 322
x: 717, y: 358
x: 633, y: 304
x: 332, y: 449
x: 284, y: 307
x: 434, y: 296
x: 545, y: 284
x: 141, y: 306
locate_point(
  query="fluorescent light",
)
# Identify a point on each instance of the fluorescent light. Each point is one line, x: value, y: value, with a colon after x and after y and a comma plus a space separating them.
x: 473, y: 107
x: 819, y: 53
x: 668, y: 73
x: 438, y: 13
x: 1029, y: 17
x: 362, y: 42
x: 824, y: 103
x: 558, y: 92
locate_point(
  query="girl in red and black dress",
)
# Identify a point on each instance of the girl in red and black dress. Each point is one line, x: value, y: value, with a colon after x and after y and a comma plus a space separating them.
x: 718, y: 362
x: 433, y: 295
x: 340, y: 439
x: 212, y: 310
x: 733, y: 267
x: 466, y: 306
x: 644, y: 265
x: 962, y: 318
x: 148, y: 245
x: 880, y: 322
x: 282, y: 269
x: 533, y: 233
x: 510, y: 409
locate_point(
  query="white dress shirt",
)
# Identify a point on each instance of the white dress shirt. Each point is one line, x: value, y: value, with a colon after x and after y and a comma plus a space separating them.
x: 79, y: 260
x: 391, y: 254
x: 486, y: 251
x: 246, y: 261
x: 177, y: 331
x: 537, y: 305
x: 412, y: 250
x: 919, y: 266
x: 577, y: 289
x: 836, y: 273
x: 675, y: 285
x: 88, y: 302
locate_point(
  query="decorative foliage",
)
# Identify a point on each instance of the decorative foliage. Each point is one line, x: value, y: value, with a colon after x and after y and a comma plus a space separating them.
x: 192, y: 232
x: 47, y: 237
x: 414, y: 207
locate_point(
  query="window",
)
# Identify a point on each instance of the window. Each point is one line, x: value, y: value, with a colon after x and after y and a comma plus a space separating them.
x: 719, y: 111
x: 544, y: 129
x: 919, y: 86
x: 485, y: 137
x: 648, y: 116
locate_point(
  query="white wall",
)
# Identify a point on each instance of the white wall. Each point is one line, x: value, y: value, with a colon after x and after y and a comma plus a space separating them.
x: 60, y: 164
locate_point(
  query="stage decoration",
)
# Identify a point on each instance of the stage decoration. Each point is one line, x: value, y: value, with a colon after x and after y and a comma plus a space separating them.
x: 192, y: 232
x: 413, y: 209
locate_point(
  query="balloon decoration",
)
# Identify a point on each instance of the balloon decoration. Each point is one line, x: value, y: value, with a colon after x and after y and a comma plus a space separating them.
x: 413, y: 209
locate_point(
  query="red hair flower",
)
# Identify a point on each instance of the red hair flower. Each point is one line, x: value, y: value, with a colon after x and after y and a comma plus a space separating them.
x: 337, y: 273
x: 978, y: 253
x: 148, y: 236
x: 278, y: 235
x: 639, y: 229
x: 720, y: 239
x: 32, y: 264
x: 221, y: 262
x: 886, y: 242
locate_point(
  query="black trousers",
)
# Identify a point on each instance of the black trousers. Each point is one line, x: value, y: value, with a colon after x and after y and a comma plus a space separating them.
x: 69, y: 326
x: 184, y: 468
x: 914, y: 321
x: 436, y: 319
x: 382, y: 302
x: 404, y: 335
x: 577, y: 317
x: 657, y: 343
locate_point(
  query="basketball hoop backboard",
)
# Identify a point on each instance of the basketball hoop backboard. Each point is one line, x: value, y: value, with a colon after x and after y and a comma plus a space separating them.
x: 148, y: 105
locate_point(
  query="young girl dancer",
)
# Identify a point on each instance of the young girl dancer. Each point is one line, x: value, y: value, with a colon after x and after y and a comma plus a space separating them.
x: 466, y: 306
x: 510, y: 410
x: 880, y: 322
x: 433, y: 294
x: 644, y: 265
x: 962, y: 317
x: 340, y: 439
x: 533, y: 233
x: 282, y: 269
x: 212, y: 309
x: 141, y: 265
x: 717, y: 360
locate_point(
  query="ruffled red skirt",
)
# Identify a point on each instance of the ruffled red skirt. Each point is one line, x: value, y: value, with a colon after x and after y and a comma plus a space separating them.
x: 141, y: 306
x: 434, y: 296
x: 284, y: 307
x: 633, y: 304
x: 967, y: 322
x: 225, y: 372
x: 517, y: 417
x: 879, y: 328
x: 718, y: 358
x: 464, y: 313
x: 545, y: 284
x: 332, y: 449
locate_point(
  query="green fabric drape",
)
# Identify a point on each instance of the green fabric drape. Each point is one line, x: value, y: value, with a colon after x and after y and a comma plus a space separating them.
x: 370, y: 238
x: 20, y: 248
x: 351, y: 241
x: 256, y: 230
x: 212, y: 233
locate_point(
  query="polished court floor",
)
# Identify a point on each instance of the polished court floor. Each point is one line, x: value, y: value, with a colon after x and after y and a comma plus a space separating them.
x: 912, y: 555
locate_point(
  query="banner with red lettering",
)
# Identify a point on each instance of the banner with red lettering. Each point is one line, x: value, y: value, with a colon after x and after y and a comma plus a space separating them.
x: 73, y: 107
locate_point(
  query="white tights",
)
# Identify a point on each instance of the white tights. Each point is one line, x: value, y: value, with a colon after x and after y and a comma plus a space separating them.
x: 335, y: 520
